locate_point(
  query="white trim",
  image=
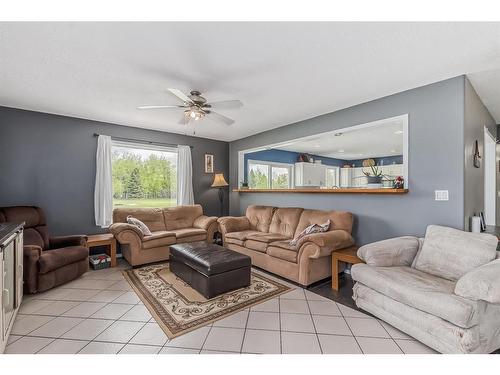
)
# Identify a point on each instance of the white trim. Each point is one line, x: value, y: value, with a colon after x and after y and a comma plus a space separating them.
x: 143, y: 146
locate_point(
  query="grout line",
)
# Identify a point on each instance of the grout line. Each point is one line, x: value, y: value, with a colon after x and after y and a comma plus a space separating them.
x: 245, y: 331
x: 206, y: 337
x: 392, y: 338
x: 345, y: 321
x: 314, y: 325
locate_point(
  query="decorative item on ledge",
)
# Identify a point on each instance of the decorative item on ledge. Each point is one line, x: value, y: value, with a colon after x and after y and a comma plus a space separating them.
x: 220, y: 183
x: 327, y: 191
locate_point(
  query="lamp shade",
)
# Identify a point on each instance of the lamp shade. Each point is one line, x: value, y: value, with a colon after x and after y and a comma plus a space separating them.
x: 219, y: 180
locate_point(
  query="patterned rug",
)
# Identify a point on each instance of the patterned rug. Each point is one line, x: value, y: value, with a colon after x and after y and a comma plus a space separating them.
x: 179, y: 309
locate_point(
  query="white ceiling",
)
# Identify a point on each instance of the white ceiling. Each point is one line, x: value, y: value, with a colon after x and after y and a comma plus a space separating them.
x: 382, y: 139
x: 283, y: 72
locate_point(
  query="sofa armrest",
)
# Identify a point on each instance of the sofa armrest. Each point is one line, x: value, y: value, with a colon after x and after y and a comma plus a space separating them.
x: 399, y: 251
x: 31, y: 256
x: 332, y: 240
x: 230, y: 224
x: 204, y: 222
x: 65, y: 241
x: 482, y: 283
x: 118, y: 229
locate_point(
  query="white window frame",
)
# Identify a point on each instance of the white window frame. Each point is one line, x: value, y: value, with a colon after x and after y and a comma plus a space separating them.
x: 270, y: 165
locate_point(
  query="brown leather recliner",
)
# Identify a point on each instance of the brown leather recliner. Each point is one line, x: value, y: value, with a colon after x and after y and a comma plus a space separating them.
x: 48, y: 261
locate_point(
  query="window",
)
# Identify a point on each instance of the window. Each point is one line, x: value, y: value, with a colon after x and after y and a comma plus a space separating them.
x: 268, y: 175
x: 144, y: 175
x: 332, y: 177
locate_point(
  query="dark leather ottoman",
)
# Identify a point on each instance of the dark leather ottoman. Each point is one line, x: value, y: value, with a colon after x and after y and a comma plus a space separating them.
x: 210, y: 269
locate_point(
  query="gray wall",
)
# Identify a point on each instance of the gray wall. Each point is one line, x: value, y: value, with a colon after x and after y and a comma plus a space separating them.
x: 49, y: 161
x: 436, y: 160
x: 476, y: 117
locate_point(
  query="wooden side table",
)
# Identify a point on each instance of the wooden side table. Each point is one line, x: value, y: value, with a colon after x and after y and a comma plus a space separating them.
x: 106, y: 239
x: 345, y: 255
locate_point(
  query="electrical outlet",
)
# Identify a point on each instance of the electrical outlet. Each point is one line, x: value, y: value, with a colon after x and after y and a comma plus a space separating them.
x: 441, y: 195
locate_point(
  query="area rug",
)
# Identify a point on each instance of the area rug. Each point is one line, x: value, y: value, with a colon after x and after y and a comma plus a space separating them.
x: 179, y: 309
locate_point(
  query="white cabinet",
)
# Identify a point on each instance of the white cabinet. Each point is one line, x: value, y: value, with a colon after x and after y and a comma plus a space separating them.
x: 310, y: 175
x: 11, y: 277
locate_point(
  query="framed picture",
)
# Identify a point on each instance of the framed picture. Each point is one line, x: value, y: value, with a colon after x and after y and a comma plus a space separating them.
x: 209, y: 163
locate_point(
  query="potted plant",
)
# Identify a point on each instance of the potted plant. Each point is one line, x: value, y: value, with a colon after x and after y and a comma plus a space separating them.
x: 374, y: 175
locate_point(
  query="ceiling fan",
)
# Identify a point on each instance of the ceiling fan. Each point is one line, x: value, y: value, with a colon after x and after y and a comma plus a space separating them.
x: 196, y: 107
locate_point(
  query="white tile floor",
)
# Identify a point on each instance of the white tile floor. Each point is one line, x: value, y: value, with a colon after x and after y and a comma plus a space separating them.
x: 99, y: 313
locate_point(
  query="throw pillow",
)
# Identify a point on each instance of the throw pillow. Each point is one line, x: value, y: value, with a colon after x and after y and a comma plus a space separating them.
x: 451, y: 253
x: 139, y: 224
x: 313, y: 228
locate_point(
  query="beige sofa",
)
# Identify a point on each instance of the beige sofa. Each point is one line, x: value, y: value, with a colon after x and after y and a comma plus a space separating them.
x: 168, y: 226
x: 444, y: 290
x: 264, y: 234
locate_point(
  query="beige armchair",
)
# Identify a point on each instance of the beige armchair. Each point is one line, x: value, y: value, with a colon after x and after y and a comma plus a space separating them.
x: 168, y: 226
x: 443, y: 290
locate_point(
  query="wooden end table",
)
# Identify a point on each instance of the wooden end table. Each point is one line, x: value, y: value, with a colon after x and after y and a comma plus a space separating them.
x: 106, y: 239
x: 345, y: 255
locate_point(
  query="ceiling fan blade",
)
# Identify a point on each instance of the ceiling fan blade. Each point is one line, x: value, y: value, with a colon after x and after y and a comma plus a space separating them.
x: 179, y: 94
x: 160, y: 106
x: 221, y: 118
x: 226, y: 104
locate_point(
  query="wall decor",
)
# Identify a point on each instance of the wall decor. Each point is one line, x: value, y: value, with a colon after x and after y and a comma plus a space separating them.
x: 477, y: 156
x: 209, y: 163
x: 483, y: 222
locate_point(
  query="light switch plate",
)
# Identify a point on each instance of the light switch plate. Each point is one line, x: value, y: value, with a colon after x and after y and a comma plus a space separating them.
x: 441, y: 195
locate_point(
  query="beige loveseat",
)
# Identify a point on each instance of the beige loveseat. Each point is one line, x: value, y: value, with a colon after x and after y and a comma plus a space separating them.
x: 444, y: 290
x: 168, y: 226
x: 264, y: 234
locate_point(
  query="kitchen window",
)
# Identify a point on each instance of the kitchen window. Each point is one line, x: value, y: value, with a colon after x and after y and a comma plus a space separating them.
x: 269, y: 175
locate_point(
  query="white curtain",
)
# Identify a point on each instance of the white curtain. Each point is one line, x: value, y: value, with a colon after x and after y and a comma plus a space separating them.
x: 103, y: 191
x: 184, y: 176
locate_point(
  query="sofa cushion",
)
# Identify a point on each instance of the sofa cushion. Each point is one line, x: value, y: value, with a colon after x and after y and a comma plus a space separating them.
x: 256, y: 245
x: 289, y: 255
x: 234, y: 241
x: 152, y: 217
x: 259, y: 217
x: 188, y: 232
x: 282, y: 250
x: 285, y: 221
x: 267, y: 237
x: 50, y: 260
x: 193, y: 238
x: 179, y: 217
x: 338, y: 220
x: 157, y: 239
x: 419, y: 290
x: 241, y: 236
x: 451, y: 253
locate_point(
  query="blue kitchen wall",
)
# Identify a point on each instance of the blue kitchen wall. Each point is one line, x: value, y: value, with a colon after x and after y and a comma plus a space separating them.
x: 290, y: 157
x: 282, y: 156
